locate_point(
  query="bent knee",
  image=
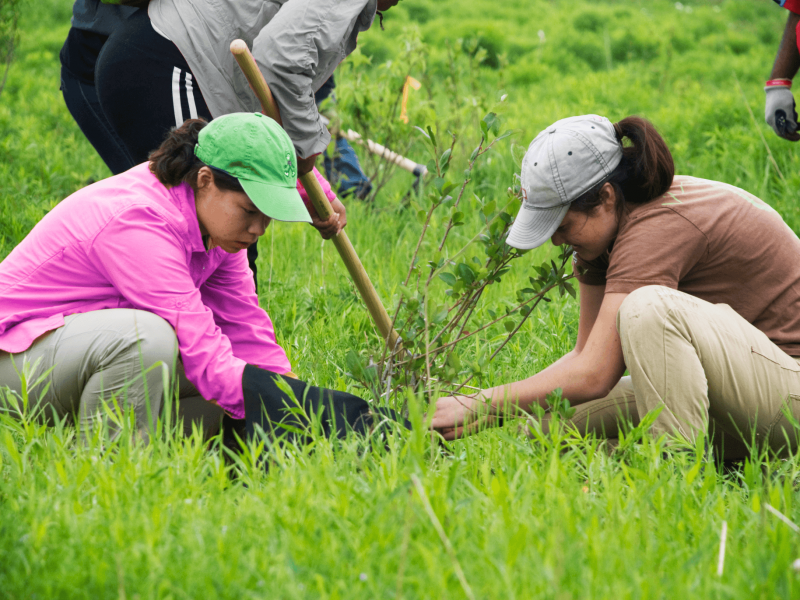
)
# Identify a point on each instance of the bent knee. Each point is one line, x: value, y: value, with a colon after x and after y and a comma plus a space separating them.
x: 644, y: 307
x: 155, y: 337
x: 123, y: 333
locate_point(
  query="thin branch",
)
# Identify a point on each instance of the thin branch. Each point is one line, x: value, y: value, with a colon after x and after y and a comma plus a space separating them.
x: 468, y: 244
x: 480, y: 153
x: 410, y: 272
x: 538, y: 296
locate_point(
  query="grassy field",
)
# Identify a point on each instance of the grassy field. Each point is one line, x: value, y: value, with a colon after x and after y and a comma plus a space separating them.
x: 556, y: 518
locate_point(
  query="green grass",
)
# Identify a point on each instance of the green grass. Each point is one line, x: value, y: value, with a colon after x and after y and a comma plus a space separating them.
x: 552, y: 519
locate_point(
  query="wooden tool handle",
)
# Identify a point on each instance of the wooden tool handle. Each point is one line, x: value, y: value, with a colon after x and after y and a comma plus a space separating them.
x: 386, y: 154
x: 256, y: 79
x: 357, y: 272
x: 269, y: 107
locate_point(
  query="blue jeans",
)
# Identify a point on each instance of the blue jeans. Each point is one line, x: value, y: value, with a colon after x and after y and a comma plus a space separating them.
x: 344, y: 170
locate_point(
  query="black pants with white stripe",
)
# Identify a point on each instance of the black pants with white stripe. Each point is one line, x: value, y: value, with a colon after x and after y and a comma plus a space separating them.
x: 145, y: 88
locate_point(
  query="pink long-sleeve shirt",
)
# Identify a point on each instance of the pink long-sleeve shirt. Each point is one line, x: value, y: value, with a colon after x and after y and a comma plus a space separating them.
x: 129, y: 242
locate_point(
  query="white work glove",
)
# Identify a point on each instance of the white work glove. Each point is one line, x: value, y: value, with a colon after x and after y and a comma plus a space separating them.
x: 780, y: 112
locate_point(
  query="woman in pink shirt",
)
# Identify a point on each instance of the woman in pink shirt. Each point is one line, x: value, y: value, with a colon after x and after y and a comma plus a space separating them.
x: 145, y: 274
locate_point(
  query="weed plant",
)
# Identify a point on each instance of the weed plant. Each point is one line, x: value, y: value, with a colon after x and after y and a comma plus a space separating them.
x: 498, y: 515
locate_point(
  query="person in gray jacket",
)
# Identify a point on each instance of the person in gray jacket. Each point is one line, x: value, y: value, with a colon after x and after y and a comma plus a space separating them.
x: 173, y: 61
x: 297, y: 45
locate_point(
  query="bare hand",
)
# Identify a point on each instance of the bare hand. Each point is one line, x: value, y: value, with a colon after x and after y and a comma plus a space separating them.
x: 333, y: 225
x: 457, y: 416
x: 304, y: 165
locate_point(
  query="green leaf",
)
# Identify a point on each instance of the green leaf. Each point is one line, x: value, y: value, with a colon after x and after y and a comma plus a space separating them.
x: 491, y: 122
x: 440, y: 315
x: 509, y: 324
x: 431, y: 135
x: 355, y: 365
x: 448, y: 278
x: 458, y: 218
x: 755, y: 503
x: 466, y: 273
x: 454, y: 361
x: 448, y: 187
x: 692, y: 474
x: 422, y: 215
x: 445, y: 158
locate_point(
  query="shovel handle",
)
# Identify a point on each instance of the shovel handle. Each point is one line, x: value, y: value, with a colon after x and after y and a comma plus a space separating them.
x: 357, y: 272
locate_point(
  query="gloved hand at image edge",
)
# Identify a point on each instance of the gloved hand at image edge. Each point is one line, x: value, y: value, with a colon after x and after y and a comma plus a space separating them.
x: 780, y: 112
x: 268, y: 405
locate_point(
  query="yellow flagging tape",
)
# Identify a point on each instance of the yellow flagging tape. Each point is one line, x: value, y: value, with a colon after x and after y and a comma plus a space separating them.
x: 410, y: 82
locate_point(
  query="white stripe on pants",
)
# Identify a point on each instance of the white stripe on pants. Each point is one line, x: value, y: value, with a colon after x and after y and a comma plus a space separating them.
x: 176, y: 96
x: 190, y: 96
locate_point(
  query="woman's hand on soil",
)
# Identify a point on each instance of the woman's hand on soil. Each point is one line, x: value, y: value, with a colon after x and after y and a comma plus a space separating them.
x: 329, y: 228
x: 456, y: 416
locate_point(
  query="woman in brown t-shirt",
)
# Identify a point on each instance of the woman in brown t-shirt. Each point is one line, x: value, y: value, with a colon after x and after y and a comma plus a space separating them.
x: 692, y: 285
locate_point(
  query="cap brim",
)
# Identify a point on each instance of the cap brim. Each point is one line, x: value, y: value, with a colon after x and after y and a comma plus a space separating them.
x: 534, y: 226
x: 277, y: 202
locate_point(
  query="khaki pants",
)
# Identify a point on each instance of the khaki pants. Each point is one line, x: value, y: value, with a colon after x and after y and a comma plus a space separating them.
x: 96, y: 356
x: 710, y: 369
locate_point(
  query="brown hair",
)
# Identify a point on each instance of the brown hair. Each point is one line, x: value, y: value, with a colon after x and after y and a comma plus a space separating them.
x: 644, y: 173
x: 175, y: 162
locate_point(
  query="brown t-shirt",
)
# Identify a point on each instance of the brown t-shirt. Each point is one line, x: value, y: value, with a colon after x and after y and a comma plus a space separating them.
x: 713, y: 241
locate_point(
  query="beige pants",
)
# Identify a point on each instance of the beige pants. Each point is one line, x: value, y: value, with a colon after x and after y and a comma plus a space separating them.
x: 106, y: 356
x: 711, y: 370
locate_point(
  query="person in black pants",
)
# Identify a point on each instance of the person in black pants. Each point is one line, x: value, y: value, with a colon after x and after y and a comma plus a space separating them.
x: 92, y: 23
x: 136, y: 63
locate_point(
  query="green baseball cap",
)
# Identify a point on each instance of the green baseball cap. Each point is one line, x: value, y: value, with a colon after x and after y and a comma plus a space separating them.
x: 257, y: 151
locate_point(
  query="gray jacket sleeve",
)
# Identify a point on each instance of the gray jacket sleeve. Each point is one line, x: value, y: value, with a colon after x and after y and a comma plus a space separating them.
x: 300, y: 48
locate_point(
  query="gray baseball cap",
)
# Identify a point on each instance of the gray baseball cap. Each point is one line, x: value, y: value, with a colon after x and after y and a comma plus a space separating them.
x: 564, y: 161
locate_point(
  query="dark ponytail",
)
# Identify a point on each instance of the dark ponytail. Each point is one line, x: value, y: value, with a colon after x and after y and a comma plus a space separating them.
x: 175, y: 162
x: 644, y: 173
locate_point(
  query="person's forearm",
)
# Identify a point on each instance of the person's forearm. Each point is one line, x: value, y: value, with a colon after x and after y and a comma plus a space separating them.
x: 787, y: 60
x: 578, y: 382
